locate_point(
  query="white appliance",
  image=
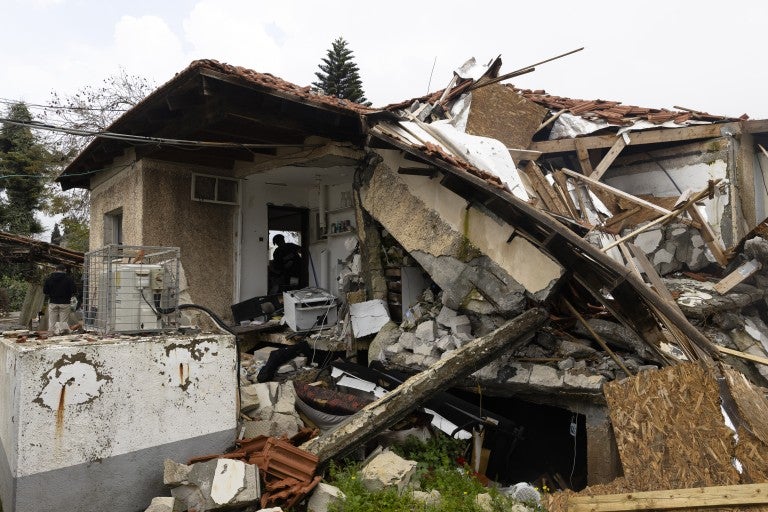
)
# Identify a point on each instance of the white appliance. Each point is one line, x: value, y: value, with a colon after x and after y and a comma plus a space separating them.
x: 129, y: 304
x: 309, y: 308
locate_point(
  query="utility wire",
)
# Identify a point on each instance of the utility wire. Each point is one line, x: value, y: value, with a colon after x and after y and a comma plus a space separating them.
x: 145, y: 139
x: 6, y: 101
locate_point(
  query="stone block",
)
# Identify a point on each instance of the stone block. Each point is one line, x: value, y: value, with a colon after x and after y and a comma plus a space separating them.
x: 175, y: 473
x: 386, y: 470
x: 445, y: 316
x: 407, y: 340
x: 545, y: 376
x: 518, y: 373
x: 567, y: 348
x: 391, y: 350
x: 662, y: 256
x: 285, y: 425
x: 323, y: 496
x: 286, y: 398
x: 648, y: 241
x: 257, y: 428
x: 425, y: 331
x: 249, y: 398
x: 161, y: 504
x: 566, y: 364
x: 461, y: 339
x: 388, y: 335
x: 446, y: 343
x: 429, y: 499
x: 573, y: 380
x: 424, y: 349
x: 218, y: 484
x: 460, y: 325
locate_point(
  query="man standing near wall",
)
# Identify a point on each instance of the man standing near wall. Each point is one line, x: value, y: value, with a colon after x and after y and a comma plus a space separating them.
x: 59, y: 287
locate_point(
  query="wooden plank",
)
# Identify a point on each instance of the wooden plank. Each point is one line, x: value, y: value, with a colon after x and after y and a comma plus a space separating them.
x: 689, y: 205
x: 745, y: 176
x: 621, y: 216
x: 565, y: 196
x: 609, y: 157
x: 703, y: 131
x: 744, y: 271
x: 523, y: 154
x: 742, y: 355
x: 583, y: 153
x: 722, y: 495
x: 395, y: 405
x: 651, y: 274
x: 709, y: 236
x: 617, y: 192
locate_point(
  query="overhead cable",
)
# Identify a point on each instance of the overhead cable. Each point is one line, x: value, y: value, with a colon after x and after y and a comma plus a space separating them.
x: 145, y: 139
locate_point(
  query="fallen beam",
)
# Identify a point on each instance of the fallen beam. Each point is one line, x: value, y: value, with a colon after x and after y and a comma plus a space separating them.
x: 395, y: 405
x: 696, y: 497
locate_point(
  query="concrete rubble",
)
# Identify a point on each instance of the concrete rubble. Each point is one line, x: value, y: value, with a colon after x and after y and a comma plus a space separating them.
x: 217, y: 484
x: 387, y: 470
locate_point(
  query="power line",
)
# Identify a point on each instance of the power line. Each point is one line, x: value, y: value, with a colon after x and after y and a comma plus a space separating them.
x: 145, y: 139
x: 7, y: 101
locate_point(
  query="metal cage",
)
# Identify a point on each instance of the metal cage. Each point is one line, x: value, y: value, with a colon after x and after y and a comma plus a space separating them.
x: 131, y: 289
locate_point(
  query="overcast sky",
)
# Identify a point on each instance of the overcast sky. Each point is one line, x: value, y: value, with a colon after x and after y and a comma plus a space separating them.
x: 703, y: 55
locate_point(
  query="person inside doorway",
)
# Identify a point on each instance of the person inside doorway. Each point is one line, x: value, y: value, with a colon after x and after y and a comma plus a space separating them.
x: 285, y: 266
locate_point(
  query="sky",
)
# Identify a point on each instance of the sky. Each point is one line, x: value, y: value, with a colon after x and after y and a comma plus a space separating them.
x: 695, y: 54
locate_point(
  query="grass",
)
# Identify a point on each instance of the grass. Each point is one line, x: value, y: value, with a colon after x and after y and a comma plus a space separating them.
x: 436, y: 469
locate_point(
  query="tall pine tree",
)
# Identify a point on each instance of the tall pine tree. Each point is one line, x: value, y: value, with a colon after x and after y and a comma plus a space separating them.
x: 23, y: 171
x: 339, y: 76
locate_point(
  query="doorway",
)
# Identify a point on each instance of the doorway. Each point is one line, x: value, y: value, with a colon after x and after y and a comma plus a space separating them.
x: 293, y: 224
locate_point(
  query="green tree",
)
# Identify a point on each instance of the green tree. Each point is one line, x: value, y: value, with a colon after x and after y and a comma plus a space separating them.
x: 24, y: 167
x: 339, y: 76
x: 91, y: 108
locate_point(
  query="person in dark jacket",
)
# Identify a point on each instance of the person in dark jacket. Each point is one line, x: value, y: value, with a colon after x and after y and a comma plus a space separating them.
x: 59, y: 287
x: 285, y: 267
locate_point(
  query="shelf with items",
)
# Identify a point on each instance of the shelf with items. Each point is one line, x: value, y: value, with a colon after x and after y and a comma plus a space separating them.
x: 342, y: 233
x: 340, y: 210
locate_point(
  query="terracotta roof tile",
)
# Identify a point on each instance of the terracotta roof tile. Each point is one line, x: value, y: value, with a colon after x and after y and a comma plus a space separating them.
x: 274, y: 83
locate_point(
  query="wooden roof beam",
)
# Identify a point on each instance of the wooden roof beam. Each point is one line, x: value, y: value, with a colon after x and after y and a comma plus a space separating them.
x: 702, y: 131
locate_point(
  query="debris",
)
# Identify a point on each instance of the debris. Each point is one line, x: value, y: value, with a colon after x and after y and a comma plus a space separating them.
x: 396, y: 404
x: 387, y: 470
x: 216, y: 485
x: 323, y: 496
x: 368, y: 317
x: 161, y: 504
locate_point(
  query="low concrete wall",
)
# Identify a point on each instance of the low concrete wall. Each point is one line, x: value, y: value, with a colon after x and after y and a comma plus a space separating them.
x: 86, y: 424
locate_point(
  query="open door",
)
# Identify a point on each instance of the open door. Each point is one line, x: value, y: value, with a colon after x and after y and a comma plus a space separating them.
x: 293, y: 224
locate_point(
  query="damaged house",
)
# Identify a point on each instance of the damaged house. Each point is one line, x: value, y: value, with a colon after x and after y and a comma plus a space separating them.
x: 449, y: 215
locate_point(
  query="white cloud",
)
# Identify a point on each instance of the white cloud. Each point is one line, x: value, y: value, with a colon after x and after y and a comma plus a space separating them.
x: 146, y: 45
x: 240, y: 32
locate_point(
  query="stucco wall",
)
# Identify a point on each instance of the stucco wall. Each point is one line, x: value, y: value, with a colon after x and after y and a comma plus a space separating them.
x: 121, y: 187
x: 205, y: 232
x: 94, y: 420
x: 525, y: 263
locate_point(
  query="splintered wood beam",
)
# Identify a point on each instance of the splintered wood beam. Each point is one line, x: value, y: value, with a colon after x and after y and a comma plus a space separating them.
x: 708, y: 234
x: 395, y: 405
x: 743, y: 355
x: 740, y: 274
x: 702, y: 131
x: 610, y: 156
x: 694, y: 497
x: 583, y: 154
x: 616, y: 192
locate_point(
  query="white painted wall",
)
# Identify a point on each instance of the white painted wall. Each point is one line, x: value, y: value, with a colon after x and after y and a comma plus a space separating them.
x: 72, y: 406
x: 687, y: 173
x: 120, y: 396
x: 299, y: 193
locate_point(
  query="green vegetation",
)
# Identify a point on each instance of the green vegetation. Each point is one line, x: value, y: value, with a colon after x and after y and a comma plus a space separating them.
x: 339, y: 76
x: 437, y: 469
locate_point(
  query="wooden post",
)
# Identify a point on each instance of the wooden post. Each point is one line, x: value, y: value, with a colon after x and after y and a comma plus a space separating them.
x: 395, y: 405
